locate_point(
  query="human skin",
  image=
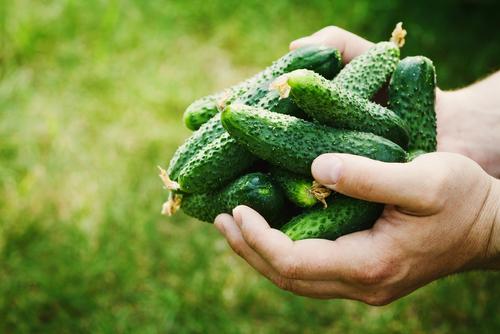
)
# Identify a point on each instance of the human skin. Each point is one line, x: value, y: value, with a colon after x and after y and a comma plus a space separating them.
x: 468, y: 119
x: 442, y: 212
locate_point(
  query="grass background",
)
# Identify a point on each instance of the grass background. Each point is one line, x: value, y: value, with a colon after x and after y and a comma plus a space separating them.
x: 91, y: 97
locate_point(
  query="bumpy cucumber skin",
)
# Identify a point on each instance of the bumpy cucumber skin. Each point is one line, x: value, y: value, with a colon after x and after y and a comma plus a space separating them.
x: 324, y: 60
x: 412, y: 155
x: 297, y: 188
x: 332, y: 105
x: 214, y: 165
x: 343, y: 215
x: 272, y: 102
x: 201, y: 111
x: 255, y: 190
x: 368, y: 72
x: 199, y: 139
x: 293, y: 144
x: 412, y: 93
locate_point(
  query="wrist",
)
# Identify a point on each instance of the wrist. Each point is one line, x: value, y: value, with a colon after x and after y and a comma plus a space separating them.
x: 492, y: 258
x: 468, y: 124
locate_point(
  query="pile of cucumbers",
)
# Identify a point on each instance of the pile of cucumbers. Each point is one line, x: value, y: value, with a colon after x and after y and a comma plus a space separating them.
x: 253, y: 144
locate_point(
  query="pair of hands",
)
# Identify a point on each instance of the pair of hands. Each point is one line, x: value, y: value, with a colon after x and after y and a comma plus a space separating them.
x: 442, y: 213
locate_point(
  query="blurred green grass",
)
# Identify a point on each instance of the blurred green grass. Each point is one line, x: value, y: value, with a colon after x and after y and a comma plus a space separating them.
x: 91, y: 97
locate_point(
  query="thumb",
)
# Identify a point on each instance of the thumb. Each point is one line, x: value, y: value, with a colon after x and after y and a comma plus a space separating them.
x: 349, y: 44
x: 406, y: 185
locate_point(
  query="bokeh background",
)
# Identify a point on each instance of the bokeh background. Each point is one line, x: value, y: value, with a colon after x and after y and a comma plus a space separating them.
x: 91, y: 98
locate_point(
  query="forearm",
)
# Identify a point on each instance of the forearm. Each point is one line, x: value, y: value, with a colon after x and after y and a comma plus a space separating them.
x: 489, y: 219
x: 480, y: 99
x: 487, y: 89
x: 469, y: 122
x: 493, y: 250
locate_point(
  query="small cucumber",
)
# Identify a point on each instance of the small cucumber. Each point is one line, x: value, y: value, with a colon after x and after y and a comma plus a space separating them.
x: 201, y: 111
x: 255, y: 190
x: 332, y: 105
x: 199, y: 139
x: 214, y: 165
x: 368, y: 72
x: 411, y: 95
x: 293, y: 144
x: 273, y: 102
x: 324, y: 60
x: 343, y: 215
x: 300, y: 190
x: 414, y: 154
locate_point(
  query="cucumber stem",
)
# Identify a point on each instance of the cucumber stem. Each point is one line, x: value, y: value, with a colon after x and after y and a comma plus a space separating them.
x: 222, y: 101
x: 172, y: 204
x: 169, y: 184
x: 281, y: 85
x: 320, y: 192
x: 398, y: 35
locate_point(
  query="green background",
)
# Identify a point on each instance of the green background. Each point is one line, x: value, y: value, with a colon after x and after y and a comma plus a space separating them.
x: 91, y: 97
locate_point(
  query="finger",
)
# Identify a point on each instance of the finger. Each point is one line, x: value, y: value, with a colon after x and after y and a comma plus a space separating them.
x: 349, y: 44
x: 226, y: 225
x: 413, y: 186
x: 315, y: 289
x: 340, y: 261
x: 269, y: 243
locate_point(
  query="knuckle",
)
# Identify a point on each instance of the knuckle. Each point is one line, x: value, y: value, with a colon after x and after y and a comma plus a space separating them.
x: 330, y: 30
x: 238, y: 247
x: 434, y: 196
x: 283, y: 283
x: 365, y: 187
x: 251, y: 239
x: 375, y: 273
x: 360, y: 185
x: 288, y: 268
x: 379, y: 298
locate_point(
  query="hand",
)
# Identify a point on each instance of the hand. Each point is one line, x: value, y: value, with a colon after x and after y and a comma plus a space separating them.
x: 468, y: 120
x: 469, y: 123
x: 441, y: 218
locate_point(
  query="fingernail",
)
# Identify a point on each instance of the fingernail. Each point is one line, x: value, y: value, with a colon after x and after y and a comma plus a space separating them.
x: 326, y: 169
x: 219, y: 224
x: 237, y: 216
x: 297, y: 43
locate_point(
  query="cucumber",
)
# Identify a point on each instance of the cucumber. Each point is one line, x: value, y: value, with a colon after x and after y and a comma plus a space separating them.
x: 368, y: 72
x: 302, y: 191
x: 324, y: 60
x: 412, y: 95
x: 210, y: 158
x: 273, y: 102
x: 201, y: 111
x: 330, y: 104
x: 255, y: 190
x: 291, y: 143
x: 214, y: 165
x: 414, y: 154
x: 343, y: 215
x: 199, y: 139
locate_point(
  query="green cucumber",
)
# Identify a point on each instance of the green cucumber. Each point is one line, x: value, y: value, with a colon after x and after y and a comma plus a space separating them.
x: 324, y: 60
x: 201, y: 111
x: 272, y: 101
x: 199, y: 139
x: 330, y: 104
x: 343, y: 215
x: 214, y: 165
x: 412, y: 93
x: 368, y: 72
x: 255, y: 190
x: 291, y: 143
x: 299, y: 190
x: 414, y: 154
